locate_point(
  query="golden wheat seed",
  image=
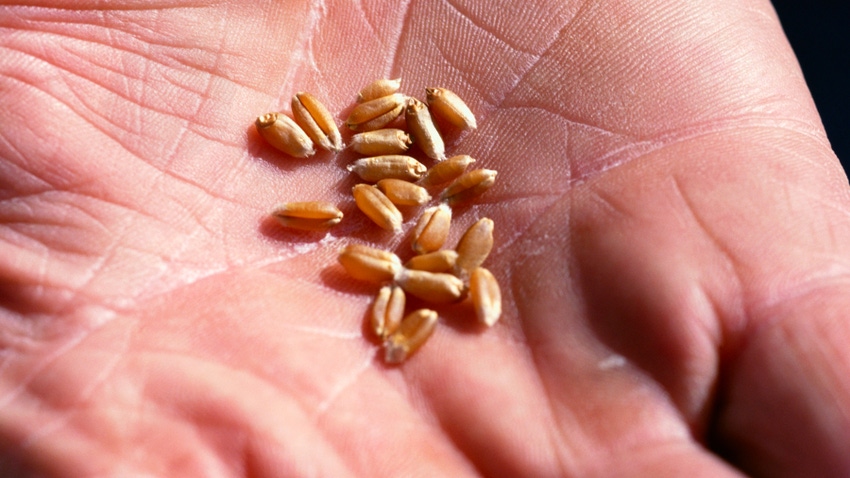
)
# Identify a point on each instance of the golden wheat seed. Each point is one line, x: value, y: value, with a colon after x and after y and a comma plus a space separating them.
x: 469, y: 186
x: 446, y: 171
x: 378, y: 89
x: 316, y: 121
x: 424, y: 131
x: 367, y: 115
x: 284, y: 134
x: 403, y: 193
x: 387, y: 311
x: 432, y: 229
x: 380, y: 121
x: 412, y: 333
x: 474, y: 246
x: 380, y: 142
x: 448, y: 106
x: 437, y: 261
x: 308, y: 215
x: 435, y: 287
x: 377, y: 168
x: 369, y: 264
x: 486, y: 296
x: 377, y: 207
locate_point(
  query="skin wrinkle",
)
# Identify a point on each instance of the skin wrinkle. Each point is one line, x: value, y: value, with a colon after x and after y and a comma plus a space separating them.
x: 130, y: 6
x: 394, y: 59
x: 721, y: 333
x: 7, y: 146
x: 499, y: 101
x: 186, y: 121
x: 465, y: 15
x: 446, y: 60
x: 557, y: 435
x: 666, y: 141
x: 105, y: 132
x: 86, y: 391
x: 345, y: 382
x: 564, y: 458
x: 818, y: 282
x: 112, y: 21
x: 143, y: 54
x: 372, y: 29
x: 44, y: 363
x: 238, y: 421
x: 109, y: 252
x: 315, y: 15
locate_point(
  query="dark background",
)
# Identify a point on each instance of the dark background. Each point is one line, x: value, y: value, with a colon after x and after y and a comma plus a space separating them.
x: 819, y: 32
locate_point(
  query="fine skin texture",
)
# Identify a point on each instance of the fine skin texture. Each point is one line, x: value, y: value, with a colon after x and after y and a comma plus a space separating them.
x: 672, y: 245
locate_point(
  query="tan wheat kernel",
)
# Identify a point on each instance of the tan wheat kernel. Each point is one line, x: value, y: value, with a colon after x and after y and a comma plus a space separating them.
x: 437, y: 261
x: 435, y: 287
x: 469, y: 186
x: 432, y: 229
x: 486, y: 296
x: 284, y: 134
x: 412, y: 333
x: 309, y: 215
x: 403, y: 193
x: 387, y: 311
x: 446, y: 171
x: 316, y: 121
x: 389, y: 166
x: 380, y: 121
x: 474, y: 247
x: 377, y: 207
x: 424, y: 131
x: 378, y: 89
x: 380, y: 142
x: 374, y: 114
x: 448, y: 106
x: 369, y: 264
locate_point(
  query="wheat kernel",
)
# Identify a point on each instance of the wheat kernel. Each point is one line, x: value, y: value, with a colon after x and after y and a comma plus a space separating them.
x: 380, y: 121
x: 377, y: 207
x: 446, y: 171
x: 448, y: 106
x: 378, y: 89
x: 284, y: 134
x: 486, y: 296
x: 366, y: 115
x: 412, y: 333
x: 424, y: 131
x: 369, y: 264
x: 474, y: 246
x: 403, y: 193
x: 389, y: 166
x: 380, y: 142
x: 316, y: 121
x: 308, y: 215
x: 432, y: 229
x: 387, y: 311
x: 435, y: 287
x: 437, y: 261
x: 469, y: 186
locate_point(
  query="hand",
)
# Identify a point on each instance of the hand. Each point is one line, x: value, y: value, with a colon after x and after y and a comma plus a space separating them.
x: 671, y: 240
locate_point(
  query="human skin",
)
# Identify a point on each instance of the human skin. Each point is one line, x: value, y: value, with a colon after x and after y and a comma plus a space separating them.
x: 672, y: 242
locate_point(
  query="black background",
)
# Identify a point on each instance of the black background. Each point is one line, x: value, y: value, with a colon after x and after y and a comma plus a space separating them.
x: 819, y: 32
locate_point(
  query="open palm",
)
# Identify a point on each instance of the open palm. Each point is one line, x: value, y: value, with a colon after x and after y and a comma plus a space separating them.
x: 671, y: 238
